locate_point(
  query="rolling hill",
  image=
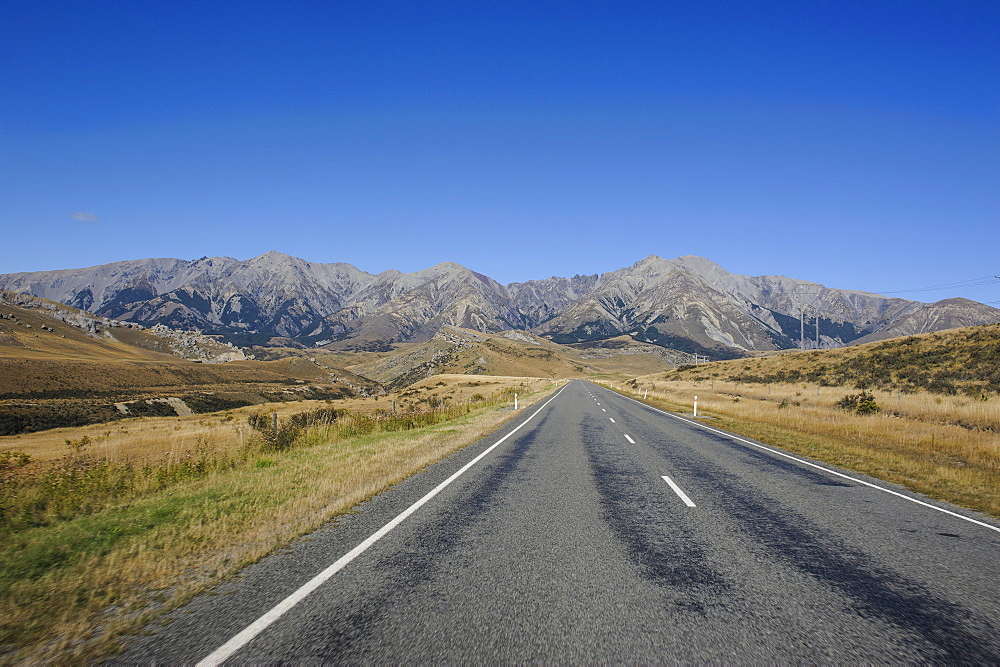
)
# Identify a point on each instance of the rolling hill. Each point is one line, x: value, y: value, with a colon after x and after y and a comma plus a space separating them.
x: 956, y: 361
x: 60, y: 366
x: 454, y: 350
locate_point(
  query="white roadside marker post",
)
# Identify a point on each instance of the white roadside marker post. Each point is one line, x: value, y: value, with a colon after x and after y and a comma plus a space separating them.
x: 695, y: 406
x: 515, y: 401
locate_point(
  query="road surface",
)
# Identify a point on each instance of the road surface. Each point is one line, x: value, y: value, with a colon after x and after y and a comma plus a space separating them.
x: 595, y: 528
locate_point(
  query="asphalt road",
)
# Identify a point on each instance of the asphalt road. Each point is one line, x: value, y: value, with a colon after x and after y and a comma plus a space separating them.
x: 565, y: 542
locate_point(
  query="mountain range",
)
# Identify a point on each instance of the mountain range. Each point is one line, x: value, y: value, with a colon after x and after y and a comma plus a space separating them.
x: 688, y: 303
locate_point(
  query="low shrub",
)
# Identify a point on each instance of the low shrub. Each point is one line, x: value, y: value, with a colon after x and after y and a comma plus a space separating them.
x: 318, y: 417
x: 27, y: 418
x: 148, y: 408
x: 276, y: 436
x: 12, y: 459
x: 862, y: 404
x: 202, y: 403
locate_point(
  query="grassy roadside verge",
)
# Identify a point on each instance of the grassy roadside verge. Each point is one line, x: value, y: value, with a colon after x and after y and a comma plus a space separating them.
x: 72, y: 584
x: 946, y: 461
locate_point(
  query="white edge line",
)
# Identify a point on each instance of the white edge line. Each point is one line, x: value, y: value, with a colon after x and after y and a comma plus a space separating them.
x: 677, y: 490
x: 627, y: 437
x: 221, y: 654
x: 813, y: 465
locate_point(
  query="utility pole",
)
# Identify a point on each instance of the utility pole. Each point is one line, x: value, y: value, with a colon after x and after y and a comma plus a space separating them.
x: 802, y: 322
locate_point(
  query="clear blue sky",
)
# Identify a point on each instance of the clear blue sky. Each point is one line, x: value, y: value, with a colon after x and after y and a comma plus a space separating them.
x: 855, y: 144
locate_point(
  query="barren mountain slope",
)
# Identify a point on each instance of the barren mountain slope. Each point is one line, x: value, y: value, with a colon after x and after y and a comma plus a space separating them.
x: 688, y: 303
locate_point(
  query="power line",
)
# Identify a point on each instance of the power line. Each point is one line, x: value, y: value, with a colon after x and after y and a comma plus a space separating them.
x: 962, y: 284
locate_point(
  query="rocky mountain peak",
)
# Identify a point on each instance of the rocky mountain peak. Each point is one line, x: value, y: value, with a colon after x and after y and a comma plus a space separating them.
x: 273, y: 256
x: 688, y: 303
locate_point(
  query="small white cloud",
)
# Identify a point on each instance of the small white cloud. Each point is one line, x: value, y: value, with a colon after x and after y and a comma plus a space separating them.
x: 80, y: 216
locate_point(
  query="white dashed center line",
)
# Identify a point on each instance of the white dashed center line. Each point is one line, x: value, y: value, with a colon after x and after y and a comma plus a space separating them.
x: 683, y: 496
x: 629, y: 439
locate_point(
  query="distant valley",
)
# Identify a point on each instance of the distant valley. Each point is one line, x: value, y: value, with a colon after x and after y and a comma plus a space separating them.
x: 64, y: 367
x: 688, y: 304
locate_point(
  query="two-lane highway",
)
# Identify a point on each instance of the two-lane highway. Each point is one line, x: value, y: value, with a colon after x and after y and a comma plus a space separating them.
x: 595, y: 528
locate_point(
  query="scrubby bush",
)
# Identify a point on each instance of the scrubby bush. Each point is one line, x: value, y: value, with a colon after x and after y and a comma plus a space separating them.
x: 150, y: 408
x: 201, y: 403
x: 79, y: 445
x: 28, y: 418
x: 13, y: 459
x: 862, y: 404
x: 276, y: 436
x: 318, y: 417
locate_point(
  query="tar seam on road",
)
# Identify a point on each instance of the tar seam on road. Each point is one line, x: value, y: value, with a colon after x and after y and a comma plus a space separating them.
x: 813, y: 465
x: 221, y: 654
x: 683, y: 496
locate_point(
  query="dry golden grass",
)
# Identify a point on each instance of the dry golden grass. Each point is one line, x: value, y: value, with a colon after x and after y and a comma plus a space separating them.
x: 959, y: 410
x: 172, y: 544
x: 141, y: 438
x: 956, y: 361
x: 947, y: 447
x: 67, y: 376
x: 155, y: 438
x: 63, y: 342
